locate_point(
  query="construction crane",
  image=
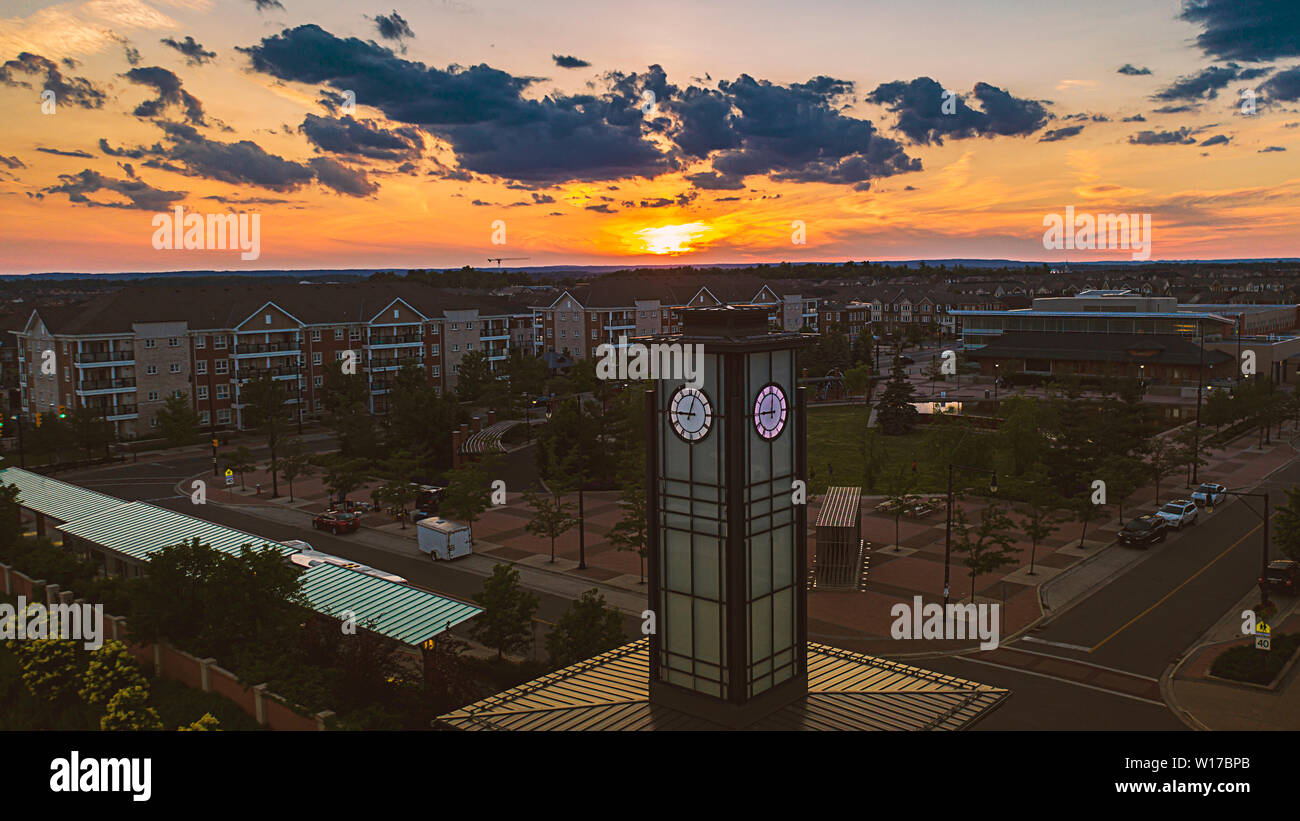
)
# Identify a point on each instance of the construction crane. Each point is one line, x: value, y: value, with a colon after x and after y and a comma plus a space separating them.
x: 499, y: 260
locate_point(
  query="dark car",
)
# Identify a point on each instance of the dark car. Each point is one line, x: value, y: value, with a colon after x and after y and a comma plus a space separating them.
x: 1144, y: 531
x: 1283, y: 576
x: 336, y: 521
x: 427, y: 501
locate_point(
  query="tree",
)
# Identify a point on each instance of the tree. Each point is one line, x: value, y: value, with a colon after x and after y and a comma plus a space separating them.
x: 1164, y: 456
x: 294, y: 463
x: 873, y: 453
x: 899, y: 483
x: 399, y: 493
x: 1040, y: 517
x: 587, y: 628
x: 469, y: 491
x: 1287, y: 534
x: 895, y: 411
x: 241, y: 462
x: 207, y: 723
x: 347, y: 411
x: 987, y: 546
x: 1021, y: 432
x: 507, y: 618
x: 264, y: 410
x: 631, y: 530
x: 129, y: 709
x: 1123, y: 476
x: 50, y: 667
x: 89, y: 430
x: 474, y: 376
x: 857, y: 381
x: 449, y: 678
x: 343, y: 475
x: 178, y: 422
x: 111, y: 668
x: 860, y: 352
x: 551, y: 519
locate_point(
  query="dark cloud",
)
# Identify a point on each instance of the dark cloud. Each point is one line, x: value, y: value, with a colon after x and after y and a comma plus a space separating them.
x: 542, y: 199
x: 193, y: 51
x: 1217, y: 139
x: 1250, y: 30
x: 569, y: 62
x: 1132, y: 70
x: 920, y: 108
x: 363, y: 138
x: 168, y: 87
x: 132, y: 153
x: 11, y: 162
x: 246, y: 200
x: 1285, y: 85
x: 263, y: 5
x: 1203, y: 85
x: 713, y: 181
x: 1271, y: 149
x: 393, y: 27
x: 132, y: 54
x: 601, y: 209
x: 1136, y: 118
x: 1177, y: 137
x: 629, y: 125
x: 342, y: 178
x: 1173, y: 109
x: 1057, y: 134
x: 140, y: 195
x: 76, y: 90
x: 84, y: 155
x: 479, y: 110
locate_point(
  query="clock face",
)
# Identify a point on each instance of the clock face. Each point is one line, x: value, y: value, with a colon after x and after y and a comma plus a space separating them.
x: 770, y: 411
x: 691, y: 413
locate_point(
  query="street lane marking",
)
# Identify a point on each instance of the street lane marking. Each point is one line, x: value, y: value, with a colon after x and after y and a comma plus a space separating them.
x: 1064, y: 681
x: 1056, y: 644
x: 1186, y: 581
x: 1085, y: 663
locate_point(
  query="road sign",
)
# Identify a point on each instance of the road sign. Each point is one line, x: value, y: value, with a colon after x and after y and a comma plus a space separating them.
x: 230, y: 477
x: 1263, y: 636
x: 1262, y: 642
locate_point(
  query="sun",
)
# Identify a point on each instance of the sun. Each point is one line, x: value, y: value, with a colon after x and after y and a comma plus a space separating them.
x: 672, y: 239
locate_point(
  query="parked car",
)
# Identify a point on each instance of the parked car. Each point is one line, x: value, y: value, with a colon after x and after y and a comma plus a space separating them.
x: 1144, y: 531
x: 427, y: 501
x: 1282, y: 575
x: 1210, y: 494
x: 336, y: 521
x: 1178, y: 513
x: 311, y: 558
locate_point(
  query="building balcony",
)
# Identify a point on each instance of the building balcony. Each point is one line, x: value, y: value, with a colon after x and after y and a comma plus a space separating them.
x: 120, y: 412
x: 93, y: 359
x: 393, y: 362
x: 264, y: 348
x: 277, y: 372
x: 96, y: 387
x: 394, y: 341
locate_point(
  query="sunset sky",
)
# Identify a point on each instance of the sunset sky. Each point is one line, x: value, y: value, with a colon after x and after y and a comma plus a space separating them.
x: 643, y: 132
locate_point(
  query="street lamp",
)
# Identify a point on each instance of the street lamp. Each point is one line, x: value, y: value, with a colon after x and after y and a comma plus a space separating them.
x: 947, y: 541
x: 996, y: 379
x: 1200, y: 383
x: 1263, y: 559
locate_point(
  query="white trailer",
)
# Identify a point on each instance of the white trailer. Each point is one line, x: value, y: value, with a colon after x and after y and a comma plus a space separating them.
x: 443, y: 539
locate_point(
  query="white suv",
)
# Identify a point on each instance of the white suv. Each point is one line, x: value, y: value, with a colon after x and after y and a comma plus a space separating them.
x: 1178, y: 513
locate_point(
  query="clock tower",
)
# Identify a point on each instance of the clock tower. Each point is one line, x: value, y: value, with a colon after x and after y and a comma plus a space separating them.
x: 727, y: 529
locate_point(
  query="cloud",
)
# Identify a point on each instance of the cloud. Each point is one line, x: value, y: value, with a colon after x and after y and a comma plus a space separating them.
x: 542, y: 199
x: 569, y: 62
x: 920, y: 107
x: 1217, y: 139
x: 1271, y: 149
x: 140, y: 196
x: 393, y: 27
x: 1058, y: 134
x: 1177, y: 137
x: 1132, y: 70
x: 1173, y: 109
x: 342, y: 178
x: 603, y: 208
x: 76, y: 90
x: 78, y: 28
x: 1203, y: 85
x: 168, y: 87
x: 1250, y: 30
x: 1285, y: 85
x: 1136, y: 118
x: 11, y: 162
x: 85, y: 155
x: 193, y: 51
x: 263, y: 5
x: 363, y: 138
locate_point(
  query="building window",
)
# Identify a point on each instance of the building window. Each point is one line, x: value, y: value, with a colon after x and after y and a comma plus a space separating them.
x: 205, y: 418
x: 202, y: 392
x: 433, y: 350
x: 149, y: 343
x: 318, y: 381
x: 200, y: 342
x: 338, y: 333
x: 469, y: 346
x: 67, y: 374
x: 175, y: 367
x: 151, y: 369
x: 219, y: 342
x: 315, y: 335
x: 223, y: 391
x: 593, y: 333
x: 354, y: 333
x: 173, y: 342
x: 316, y: 358
x: 437, y: 370
x: 200, y: 366
x: 455, y: 347
x: 455, y: 326
x: 223, y: 366
x: 153, y: 396
x: 223, y: 416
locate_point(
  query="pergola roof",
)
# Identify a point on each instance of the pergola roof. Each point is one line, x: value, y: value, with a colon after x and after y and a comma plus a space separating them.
x: 398, y: 611
x: 139, y: 529
x: 58, y: 500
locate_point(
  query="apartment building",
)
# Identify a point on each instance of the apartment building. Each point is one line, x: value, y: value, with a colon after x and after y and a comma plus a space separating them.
x: 125, y: 354
x: 891, y: 309
x: 607, y: 309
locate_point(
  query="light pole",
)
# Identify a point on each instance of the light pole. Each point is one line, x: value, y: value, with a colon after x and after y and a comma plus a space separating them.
x: 1200, y: 382
x: 1263, y: 558
x: 947, y: 541
x: 582, y: 476
x: 22, y: 459
x: 996, y: 379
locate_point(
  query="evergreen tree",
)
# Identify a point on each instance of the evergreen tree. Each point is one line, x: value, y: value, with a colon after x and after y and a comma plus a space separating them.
x: 507, y: 618
x: 587, y: 628
x: 894, y: 411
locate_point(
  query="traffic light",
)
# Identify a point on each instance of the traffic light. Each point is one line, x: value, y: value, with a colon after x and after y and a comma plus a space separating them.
x: 63, y: 412
x: 215, y: 443
x: 38, y: 419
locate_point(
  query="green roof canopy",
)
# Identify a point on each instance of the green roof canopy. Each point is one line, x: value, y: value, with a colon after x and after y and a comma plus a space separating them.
x: 139, y: 529
x: 58, y: 500
x: 398, y: 611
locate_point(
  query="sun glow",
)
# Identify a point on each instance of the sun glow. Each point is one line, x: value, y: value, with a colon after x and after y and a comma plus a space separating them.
x: 672, y: 239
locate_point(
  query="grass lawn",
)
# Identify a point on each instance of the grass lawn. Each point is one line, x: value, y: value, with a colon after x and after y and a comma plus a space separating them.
x: 835, y: 440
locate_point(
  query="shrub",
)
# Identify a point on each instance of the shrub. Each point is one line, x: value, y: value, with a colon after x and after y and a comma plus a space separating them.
x: 1256, y: 666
